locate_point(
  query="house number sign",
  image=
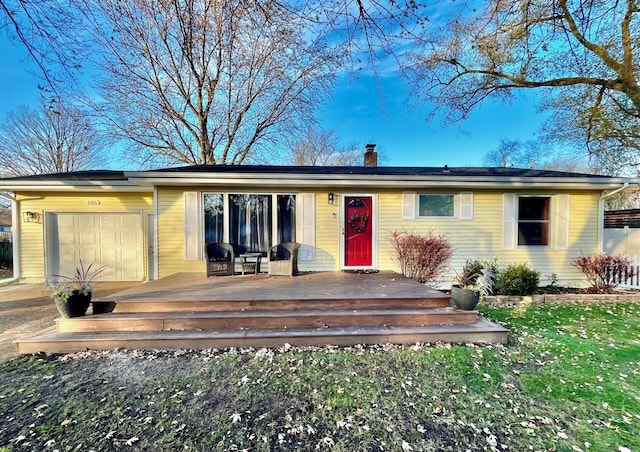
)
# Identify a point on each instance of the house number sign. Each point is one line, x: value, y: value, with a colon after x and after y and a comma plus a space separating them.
x: 93, y: 202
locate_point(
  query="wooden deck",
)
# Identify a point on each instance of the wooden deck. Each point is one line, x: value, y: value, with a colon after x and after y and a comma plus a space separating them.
x: 188, y: 310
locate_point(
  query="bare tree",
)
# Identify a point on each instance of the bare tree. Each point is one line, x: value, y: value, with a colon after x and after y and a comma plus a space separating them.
x: 53, y: 32
x: 207, y: 82
x: 48, y: 31
x: 578, y: 53
x: 49, y: 139
x: 515, y: 153
x: 321, y: 147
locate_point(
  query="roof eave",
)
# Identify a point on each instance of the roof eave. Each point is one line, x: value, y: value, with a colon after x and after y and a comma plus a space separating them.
x: 85, y: 185
x: 387, y: 181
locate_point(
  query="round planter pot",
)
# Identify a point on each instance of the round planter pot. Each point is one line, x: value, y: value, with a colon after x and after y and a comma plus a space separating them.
x: 464, y: 299
x: 103, y: 307
x: 75, y: 306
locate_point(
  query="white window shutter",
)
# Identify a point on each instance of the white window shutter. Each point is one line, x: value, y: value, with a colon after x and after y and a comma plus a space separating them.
x: 192, y: 234
x: 408, y: 205
x: 306, y: 226
x: 509, y: 221
x: 561, y: 219
x: 466, y: 206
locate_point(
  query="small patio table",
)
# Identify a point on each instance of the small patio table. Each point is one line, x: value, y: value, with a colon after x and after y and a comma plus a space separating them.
x: 248, y: 265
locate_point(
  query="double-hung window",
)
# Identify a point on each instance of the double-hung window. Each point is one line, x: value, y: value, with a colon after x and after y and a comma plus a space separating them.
x: 536, y: 220
x: 533, y: 220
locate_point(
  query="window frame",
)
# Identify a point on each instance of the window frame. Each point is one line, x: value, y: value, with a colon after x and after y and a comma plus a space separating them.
x: 453, y: 216
x: 275, y: 226
x: 463, y: 205
x: 548, y: 222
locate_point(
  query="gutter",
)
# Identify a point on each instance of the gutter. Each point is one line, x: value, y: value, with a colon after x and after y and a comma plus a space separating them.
x: 15, y: 237
x: 601, y: 214
x: 315, y: 181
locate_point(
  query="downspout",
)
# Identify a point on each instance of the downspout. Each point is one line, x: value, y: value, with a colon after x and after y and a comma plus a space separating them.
x: 15, y: 237
x: 601, y: 214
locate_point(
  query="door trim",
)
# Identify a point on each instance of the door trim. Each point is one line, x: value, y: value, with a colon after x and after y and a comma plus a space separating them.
x: 151, y: 245
x: 374, y: 231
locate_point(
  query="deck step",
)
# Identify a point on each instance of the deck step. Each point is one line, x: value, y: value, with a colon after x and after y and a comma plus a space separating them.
x: 124, y: 306
x: 483, y: 331
x: 178, y: 321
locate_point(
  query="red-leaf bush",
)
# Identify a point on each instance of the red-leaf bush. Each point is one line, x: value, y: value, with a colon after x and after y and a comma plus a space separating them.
x: 421, y: 257
x: 602, y: 271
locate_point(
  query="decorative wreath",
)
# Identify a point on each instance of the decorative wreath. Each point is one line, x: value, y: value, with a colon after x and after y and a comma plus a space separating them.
x: 358, y: 222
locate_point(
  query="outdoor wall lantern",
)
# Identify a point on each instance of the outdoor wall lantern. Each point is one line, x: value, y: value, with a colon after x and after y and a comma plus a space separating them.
x: 31, y: 217
x: 330, y: 198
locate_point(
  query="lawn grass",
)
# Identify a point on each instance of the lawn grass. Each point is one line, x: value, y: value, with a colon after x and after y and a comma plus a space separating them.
x: 569, y: 380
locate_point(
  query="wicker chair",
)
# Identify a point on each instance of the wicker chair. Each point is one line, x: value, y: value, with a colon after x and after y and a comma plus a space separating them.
x: 221, y: 259
x: 283, y: 259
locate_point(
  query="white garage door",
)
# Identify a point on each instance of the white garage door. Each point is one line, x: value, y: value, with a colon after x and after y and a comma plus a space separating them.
x: 113, y: 240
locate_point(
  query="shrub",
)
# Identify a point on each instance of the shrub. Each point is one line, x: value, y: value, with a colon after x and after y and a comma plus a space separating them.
x: 517, y: 279
x: 421, y: 257
x: 602, y: 271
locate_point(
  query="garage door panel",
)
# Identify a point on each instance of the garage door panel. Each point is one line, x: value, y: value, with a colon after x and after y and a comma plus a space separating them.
x: 88, y: 256
x: 110, y: 274
x: 67, y: 221
x: 127, y: 239
x: 67, y: 237
x: 109, y: 257
x: 87, y: 238
x: 110, y: 240
x: 128, y: 222
x: 108, y: 221
x: 129, y: 255
x: 85, y: 221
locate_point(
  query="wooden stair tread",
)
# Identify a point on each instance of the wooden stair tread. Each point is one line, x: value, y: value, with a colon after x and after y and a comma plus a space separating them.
x: 267, y: 314
x: 49, y: 333
x: 138, y: 306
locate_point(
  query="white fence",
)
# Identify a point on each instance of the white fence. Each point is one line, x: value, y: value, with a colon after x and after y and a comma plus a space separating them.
x: 625, y: 242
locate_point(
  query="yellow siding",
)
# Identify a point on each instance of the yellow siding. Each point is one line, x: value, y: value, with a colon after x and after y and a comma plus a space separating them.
x: 480, y: 237
x: 327, y: 233
x: 171, y: 250
x: 171, y: 237
x: 32, y: 259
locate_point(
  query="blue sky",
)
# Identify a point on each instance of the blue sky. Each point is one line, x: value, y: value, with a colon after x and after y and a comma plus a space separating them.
x: 403, y: 134
x: 356, y: 113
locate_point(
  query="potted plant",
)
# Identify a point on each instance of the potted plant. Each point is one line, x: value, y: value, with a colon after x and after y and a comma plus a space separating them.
x: 72, y: 294
x: 473, y: 284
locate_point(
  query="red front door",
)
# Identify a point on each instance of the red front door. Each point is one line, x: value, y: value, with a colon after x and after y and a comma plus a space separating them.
x: 358, y: 231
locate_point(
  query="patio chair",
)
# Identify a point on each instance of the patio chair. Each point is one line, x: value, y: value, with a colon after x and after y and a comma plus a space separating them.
x: 221, y: 259
x: 283, y: 259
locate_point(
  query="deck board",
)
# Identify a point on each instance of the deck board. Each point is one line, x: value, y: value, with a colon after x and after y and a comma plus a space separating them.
x: 189, y: 310
x: 483, y: 331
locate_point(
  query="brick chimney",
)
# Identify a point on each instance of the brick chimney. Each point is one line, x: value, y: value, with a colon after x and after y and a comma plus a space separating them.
x: 371, y: 156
